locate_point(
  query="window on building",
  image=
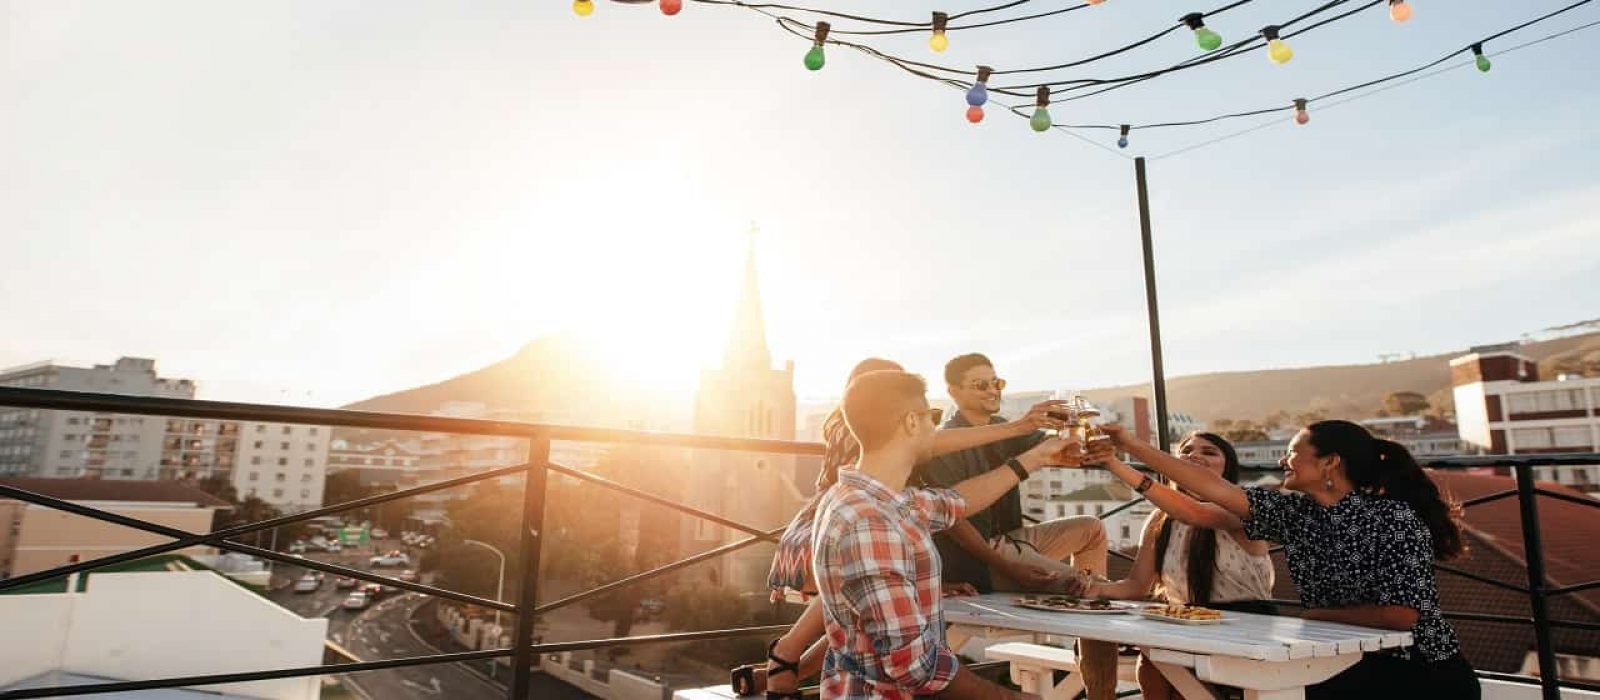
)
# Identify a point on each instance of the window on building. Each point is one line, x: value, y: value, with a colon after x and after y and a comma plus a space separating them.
x: 1099, y: 510
x: 259, y: 444
x: 127, y: 472
x: 1570, y: 436
x: 311, y: 447
x: 280, y: 477
x: 305, y: 478
x: 261, y: 428
x: 256, y: 459
x: 283, y: 461
x: 74, y: 421
x: 69, y: 437
x: 313, y: 431
x: 255, y: 476
x: 1080, y: 509
x: 283, y: 445
x: 287, y: 429
x: 305, y: 493
x: 66, y: 454
x: 310, y: 462
x: 277, y: 493
x: 1530, y: 438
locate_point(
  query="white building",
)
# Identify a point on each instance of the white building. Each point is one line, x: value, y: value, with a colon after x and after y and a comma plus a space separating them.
x: 1098, y: 499
x: 1503, y: 407
x: 285, y: 465
x: 60, y: 444
x: 384, y: 462
x: 134, y: 626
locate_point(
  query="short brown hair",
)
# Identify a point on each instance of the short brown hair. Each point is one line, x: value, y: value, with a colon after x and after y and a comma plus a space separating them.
x: 957, y: 367
x: 875, y: 402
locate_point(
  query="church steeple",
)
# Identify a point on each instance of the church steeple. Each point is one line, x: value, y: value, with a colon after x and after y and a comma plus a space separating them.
x: 747, y: 344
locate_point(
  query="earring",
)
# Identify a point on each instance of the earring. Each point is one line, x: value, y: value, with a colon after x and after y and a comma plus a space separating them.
x: 1328, y: 482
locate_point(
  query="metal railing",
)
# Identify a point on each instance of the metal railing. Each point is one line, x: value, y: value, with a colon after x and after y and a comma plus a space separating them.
x: 522, y: 652
x: 525, y: 609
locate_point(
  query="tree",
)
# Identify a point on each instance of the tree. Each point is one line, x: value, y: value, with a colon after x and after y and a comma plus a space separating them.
x: 1405, y: 403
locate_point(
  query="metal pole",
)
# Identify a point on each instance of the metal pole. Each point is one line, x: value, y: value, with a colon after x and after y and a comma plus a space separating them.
x: 1538, y: 591
x: 528, y: 581
x: 500, y: 587
x: 1159, y: 378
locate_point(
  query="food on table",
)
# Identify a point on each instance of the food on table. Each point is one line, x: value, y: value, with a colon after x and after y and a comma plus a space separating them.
x: 1183, y: 612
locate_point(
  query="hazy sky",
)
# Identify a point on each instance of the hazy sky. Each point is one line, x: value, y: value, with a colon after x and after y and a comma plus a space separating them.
x: 317, y: 201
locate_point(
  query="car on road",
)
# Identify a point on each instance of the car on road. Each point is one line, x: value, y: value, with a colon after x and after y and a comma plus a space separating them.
x: 409, y: 576
x: 307, y: 584
x: 394, y: 558
x: 297, y: 547
x: 380, y: 533
x: 375, y: 590
x: 356, y: 601
x: 335, y: 547
x: 344, y: 582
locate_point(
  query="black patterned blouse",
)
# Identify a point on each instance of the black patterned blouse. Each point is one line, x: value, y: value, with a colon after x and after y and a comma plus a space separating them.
x: 1363, y: 550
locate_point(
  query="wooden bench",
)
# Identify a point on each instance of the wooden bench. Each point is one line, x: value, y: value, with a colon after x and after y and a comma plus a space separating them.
x: 716, y: 692
x: 1033, y: 668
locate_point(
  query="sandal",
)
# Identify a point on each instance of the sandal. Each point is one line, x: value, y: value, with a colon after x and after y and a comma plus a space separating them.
x: 743, y: 680
x: 781, y: 666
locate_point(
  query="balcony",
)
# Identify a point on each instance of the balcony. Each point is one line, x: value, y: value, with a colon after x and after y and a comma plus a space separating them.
x: 1541, y: 616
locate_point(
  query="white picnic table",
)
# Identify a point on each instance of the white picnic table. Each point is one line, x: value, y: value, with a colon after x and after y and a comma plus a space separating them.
x: 1269, y: 657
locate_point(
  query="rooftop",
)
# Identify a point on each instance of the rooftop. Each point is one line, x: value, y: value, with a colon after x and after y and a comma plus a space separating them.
x: 124, y: 491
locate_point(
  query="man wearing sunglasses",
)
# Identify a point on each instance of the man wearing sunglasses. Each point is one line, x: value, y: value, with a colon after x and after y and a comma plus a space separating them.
x: 993, y: 549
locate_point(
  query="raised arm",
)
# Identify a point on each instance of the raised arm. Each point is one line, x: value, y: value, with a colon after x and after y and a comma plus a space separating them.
x: 958, y: 439
x: 1171, y: 501
x: 983, y: 490
x: 1202, y: 482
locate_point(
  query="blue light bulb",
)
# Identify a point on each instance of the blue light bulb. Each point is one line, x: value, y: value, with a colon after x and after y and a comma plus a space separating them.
x: 1122, y: 142
x: 978, y: 95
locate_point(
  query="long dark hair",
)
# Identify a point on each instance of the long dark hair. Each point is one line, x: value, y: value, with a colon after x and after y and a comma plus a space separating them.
x: 840, y: 447
x: 1202, y: 555
x: 1386, y: 469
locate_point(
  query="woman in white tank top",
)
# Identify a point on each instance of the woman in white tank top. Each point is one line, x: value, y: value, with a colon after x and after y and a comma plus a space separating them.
x: 1191, y: 552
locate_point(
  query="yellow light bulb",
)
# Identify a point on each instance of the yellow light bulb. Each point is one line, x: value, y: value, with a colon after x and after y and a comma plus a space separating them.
x: 583, y: 8
x: 938, y: 42
x: 1279, y: 52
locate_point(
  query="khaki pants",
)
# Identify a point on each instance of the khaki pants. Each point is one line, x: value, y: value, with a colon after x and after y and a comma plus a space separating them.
x: 1082, y: 539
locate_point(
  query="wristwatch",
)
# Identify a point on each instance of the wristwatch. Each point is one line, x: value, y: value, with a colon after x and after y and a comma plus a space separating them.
x: 1016, y: 466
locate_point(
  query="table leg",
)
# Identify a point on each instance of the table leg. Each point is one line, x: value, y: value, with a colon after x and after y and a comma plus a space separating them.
x: 1183, y: 680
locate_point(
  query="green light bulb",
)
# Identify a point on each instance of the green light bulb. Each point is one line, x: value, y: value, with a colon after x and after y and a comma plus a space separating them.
x: 1483, y: 64
x: 1207, y: 39
x: 1040, y: 120
x: 815, y: 59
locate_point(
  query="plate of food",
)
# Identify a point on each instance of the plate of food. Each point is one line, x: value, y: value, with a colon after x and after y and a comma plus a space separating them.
x: 1061, y: 603
x: 1183, y: 614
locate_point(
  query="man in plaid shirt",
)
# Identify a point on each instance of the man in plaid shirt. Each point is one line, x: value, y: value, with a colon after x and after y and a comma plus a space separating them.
x: 876, y: 567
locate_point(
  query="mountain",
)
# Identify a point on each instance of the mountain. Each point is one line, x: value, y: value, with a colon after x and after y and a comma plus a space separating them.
x: 1349, y: 391
x: 552, y: 380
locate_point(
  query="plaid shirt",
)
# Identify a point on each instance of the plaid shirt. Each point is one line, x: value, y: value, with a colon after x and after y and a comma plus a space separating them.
x: 877, y: 572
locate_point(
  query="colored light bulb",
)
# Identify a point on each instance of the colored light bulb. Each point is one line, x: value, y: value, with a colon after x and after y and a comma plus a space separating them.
x: 1279, y: 52
x: 1399, y: 11
x: 583, y: 8
x: 815, y: 59
x: 1483, y: 61
x: 1040, y: 121
x: 978, y: 95
x: 1207, y: 39
x: 1094, y: 2
x: 1301, y: 116
x: 939, y: 42
x: 1122, y: 139
x: 671, y: 7
x: 975, y: 114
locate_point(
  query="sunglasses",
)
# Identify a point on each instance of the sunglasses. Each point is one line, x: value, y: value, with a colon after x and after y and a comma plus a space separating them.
x: 984, y: 384
x: 937, y: 414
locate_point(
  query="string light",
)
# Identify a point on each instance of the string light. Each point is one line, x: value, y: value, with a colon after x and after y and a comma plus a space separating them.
x: 1207, y: 39
x: 1122, y: 141
x: 1094, y: 2
x: 1277, y: 51
x: 1483, y: 61
x: 814, y: 58
x: 1040, y: 121
x: 671, y: 7
x: 1300, y: 114
x: 1399, y: 11
x: 978, y: 95
x: 939, y: 42
x: 583, y: 8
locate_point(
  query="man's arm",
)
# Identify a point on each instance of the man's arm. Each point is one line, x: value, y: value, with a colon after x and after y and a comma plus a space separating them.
x: 1028, y: 576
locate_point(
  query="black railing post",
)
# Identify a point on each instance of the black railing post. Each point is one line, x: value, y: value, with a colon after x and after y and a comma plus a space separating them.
x: 1158, y: 378
x: 533, y: 492
x: 1538, y: 591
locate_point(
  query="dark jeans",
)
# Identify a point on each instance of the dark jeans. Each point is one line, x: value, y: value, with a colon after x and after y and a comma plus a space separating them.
x: 1383, y: 676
